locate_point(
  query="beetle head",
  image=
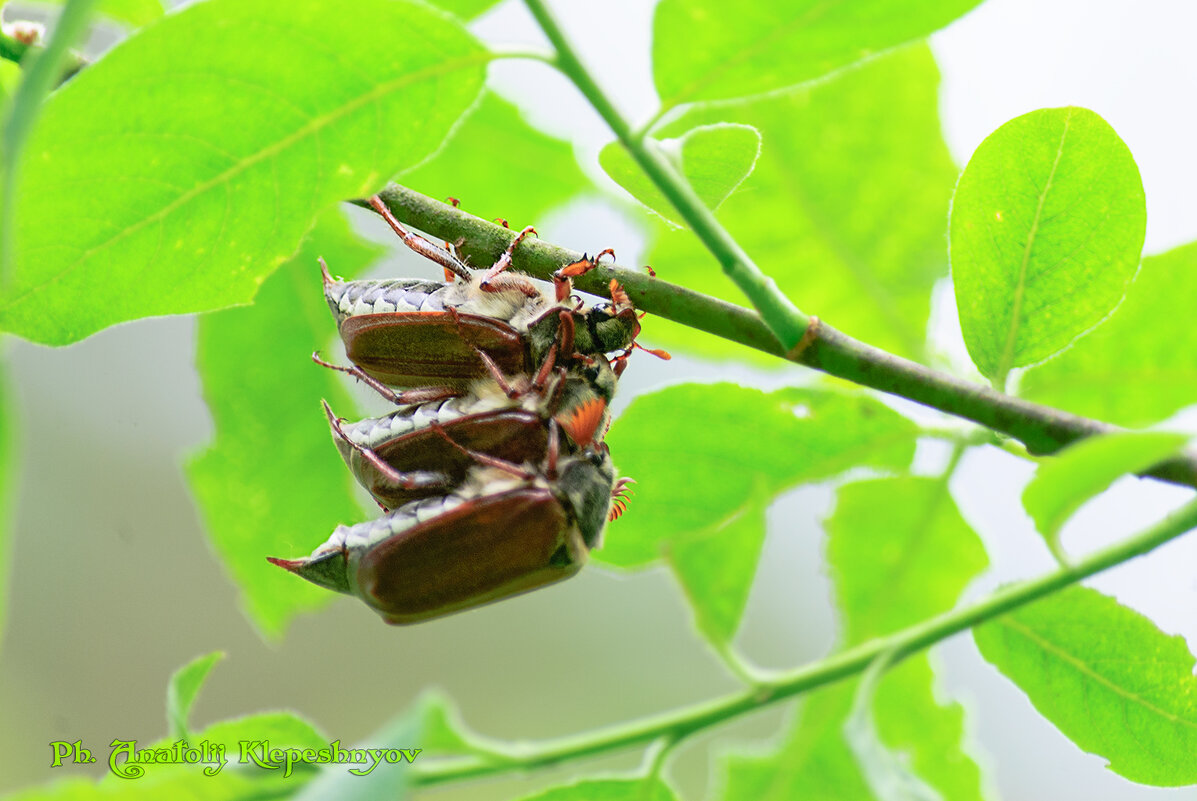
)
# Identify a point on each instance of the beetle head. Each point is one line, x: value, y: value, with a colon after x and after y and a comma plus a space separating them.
x: 586, y: 481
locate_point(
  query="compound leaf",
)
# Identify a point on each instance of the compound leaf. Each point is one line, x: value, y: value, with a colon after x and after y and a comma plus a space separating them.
x: 715, y: 159
x: 717, y: 454
x: 1107, y: 678
x: 1086, y: 468
x: 712, y: 50
x: 272, y: 484
x: 845, y: 209
x: 1137, y: 367
x: 500, y: 166
x: 1046, y: 230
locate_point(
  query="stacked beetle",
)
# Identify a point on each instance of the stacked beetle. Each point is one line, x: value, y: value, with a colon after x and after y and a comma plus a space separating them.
x: 493, y: 471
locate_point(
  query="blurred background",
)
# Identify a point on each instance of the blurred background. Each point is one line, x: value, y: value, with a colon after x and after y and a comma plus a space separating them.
x: 106, y: 424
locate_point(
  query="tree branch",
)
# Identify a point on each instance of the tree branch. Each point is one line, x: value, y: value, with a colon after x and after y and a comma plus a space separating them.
x: 1041, y: 428
x: 899, y: 645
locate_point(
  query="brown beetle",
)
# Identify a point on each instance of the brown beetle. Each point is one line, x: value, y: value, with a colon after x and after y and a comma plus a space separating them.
x: 412, y: 333
x: 402, y: 456
x: 505, y: 530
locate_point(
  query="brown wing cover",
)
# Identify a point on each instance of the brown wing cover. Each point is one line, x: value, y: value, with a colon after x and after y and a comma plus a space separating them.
x: 514, y: 435
x: 483, y: 551
x: 416, y: 349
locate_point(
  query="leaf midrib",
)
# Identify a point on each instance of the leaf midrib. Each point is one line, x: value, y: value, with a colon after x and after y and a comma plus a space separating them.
x: 1005, y: 363
x: 1084, y: 669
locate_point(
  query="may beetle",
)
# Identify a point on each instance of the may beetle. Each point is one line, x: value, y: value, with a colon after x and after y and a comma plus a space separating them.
x: 411, y: 332
x: 504, y: 531
x: 405, y: 455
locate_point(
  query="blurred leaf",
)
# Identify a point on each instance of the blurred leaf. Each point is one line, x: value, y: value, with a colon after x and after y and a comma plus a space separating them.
x: 1137, y: 367
x: 1085, y: 469
x: 464, y: 9
x: 182, y: 689
x: 715, y: 159
x: 813, y: 761
x: 388, y: 780
x: 8, y: 489
x: 442, y: 731
x: 187, y: 212
x: 41, y: 71
x: 898, y: 552
x: 1047, y: 227
x: 608, y: 790
x: 132, y: 13
x: 711, y: 50
x: 272, y: 484
x: 10, y: 76
x: 716, y: 565
x: 710, y: 457
x: 228, y: 785
x: 846, y: 208
x: 500, y: 166
x: 1107, y: 677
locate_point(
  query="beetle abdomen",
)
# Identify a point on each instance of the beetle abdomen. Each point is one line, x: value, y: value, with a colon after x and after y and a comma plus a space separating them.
x: 491, y: 548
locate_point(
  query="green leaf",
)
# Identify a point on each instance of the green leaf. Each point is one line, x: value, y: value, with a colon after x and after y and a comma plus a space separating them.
x: 8, y: 489
x: 1047, y: 226
x: 500, y: 166
x: 846, y: 208
x: 715, y: 159
x: 647, y: 789
x: 272, y: 484
x: 178, y: 209
x: 716, y: 564
x: 898, y: 552
x: 387, y: 780
x: 1137, y: 367
x: 40, y: 74
x: 1107, y: 678
x: 712, y: 50
x: 132, y: 13
x: 10, y: 76
x: 181, y: 691
x: 464, y: 9
x: 710, y: 457
x: 1083, y: 470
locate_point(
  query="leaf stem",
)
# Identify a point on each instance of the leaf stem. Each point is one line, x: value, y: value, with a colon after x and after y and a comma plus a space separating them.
x: 779, y: 315
x: 840, y: 666
x: 44, y: 69
x: 1041, y: 429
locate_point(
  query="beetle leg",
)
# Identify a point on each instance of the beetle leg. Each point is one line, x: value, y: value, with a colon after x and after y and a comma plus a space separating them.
x: 505, y: 260
x: 546, y: 368
x: 419, y: 244
x: 550, y: 469
x: 566, y: 332
x: 418, y: 395
x: 483, y: 458
x: 421, y: 479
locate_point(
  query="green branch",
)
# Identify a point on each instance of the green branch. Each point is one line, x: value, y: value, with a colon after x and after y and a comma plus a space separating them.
x: 778, y: 313
x: 855, y: 660
x: 1041, y: 429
